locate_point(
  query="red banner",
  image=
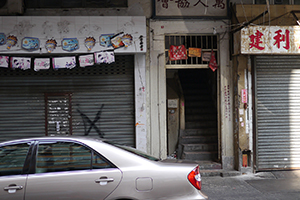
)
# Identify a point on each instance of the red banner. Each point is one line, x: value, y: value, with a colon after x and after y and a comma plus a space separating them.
x: 177, y: 53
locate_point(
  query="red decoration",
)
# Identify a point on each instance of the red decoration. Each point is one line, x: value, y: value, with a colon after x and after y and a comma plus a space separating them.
x: 213, y: 63
x: 177, y: 53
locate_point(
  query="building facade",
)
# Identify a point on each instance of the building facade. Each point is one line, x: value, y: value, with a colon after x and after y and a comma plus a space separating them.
x: 167, y: 88
x: 265, y: 61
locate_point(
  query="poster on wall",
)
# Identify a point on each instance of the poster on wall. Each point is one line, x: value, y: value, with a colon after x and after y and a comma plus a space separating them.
x: 64, y: 62
x: 105, y: 57
x: 30, y: 43
x: 23, y: 63
x: 86, y: 60
x: 41, y: 64
x: 4, y: 61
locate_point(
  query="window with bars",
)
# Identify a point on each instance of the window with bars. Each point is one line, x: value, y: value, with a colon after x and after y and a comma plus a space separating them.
x: 207, y: 43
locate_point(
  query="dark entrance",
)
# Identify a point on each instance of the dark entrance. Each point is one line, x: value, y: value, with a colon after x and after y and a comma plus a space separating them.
x: 198, y: 135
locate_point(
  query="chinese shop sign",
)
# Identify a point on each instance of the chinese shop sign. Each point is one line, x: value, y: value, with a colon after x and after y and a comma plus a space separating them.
x: 190, y: 8
x: 270, y: 40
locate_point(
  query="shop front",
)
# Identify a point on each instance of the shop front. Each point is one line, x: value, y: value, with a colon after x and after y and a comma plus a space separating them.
x: 271, y: 62
x: 82, y: 76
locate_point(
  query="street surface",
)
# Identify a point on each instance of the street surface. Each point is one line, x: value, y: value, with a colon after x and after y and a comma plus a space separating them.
x: 280, y: 185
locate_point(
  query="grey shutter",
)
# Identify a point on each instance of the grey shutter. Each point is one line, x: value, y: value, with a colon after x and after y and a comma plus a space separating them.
x: 106, y: 86
x: 278, y: 112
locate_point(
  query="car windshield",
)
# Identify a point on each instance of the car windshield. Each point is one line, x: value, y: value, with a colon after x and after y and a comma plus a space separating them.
x: 134, y: 151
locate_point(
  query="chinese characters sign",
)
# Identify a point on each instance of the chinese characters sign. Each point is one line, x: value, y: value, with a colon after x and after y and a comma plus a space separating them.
x: 188, y: 8
x: 270, y: 39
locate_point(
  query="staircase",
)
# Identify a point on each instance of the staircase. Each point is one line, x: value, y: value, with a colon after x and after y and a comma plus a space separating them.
x: 199, y: 140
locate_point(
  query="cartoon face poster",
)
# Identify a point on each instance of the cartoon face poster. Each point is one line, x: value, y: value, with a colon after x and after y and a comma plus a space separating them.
x: 105, y: 57
x: 20, y: 63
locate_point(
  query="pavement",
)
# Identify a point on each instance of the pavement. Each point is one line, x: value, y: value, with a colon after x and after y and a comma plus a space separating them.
x: 275, y: 185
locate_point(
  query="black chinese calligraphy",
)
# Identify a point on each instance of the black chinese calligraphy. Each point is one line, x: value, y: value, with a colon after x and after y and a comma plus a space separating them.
x: 186, y: 3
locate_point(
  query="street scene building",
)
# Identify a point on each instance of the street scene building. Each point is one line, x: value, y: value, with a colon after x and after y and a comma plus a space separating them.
x: 265, y: 59
x: 212, y: 81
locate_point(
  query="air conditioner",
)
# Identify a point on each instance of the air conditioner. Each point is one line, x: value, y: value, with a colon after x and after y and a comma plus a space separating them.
x: 11, y: 7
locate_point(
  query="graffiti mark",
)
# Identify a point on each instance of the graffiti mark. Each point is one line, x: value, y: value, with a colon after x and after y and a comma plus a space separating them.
x: 22, y: 28
x: 63, y: 27
x: 92, y: 124
x: 47, y: 29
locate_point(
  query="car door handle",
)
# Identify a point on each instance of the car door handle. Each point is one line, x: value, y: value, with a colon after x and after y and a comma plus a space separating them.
x: 104, y: 180
x: 13, y: 188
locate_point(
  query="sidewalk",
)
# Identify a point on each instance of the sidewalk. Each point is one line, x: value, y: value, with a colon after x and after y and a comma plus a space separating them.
x: 278, y: 185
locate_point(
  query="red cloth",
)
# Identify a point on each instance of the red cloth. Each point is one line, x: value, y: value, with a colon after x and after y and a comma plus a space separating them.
x: 177, y: 52
x: 213, y: 63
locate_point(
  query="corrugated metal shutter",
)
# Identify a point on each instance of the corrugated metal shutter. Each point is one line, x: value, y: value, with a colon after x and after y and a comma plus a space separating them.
x: 101, y: 101
x: 278, y: 112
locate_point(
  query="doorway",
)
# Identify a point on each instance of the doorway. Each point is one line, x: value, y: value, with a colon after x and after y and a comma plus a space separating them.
x: 192, y: 114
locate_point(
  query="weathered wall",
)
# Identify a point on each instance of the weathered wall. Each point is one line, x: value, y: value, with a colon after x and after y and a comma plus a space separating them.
x: 158, y: 29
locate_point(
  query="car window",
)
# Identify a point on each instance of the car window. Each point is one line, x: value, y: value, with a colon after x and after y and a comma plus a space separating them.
x: 134, y: 151
x: 67, y: 156
x: 12, y: 158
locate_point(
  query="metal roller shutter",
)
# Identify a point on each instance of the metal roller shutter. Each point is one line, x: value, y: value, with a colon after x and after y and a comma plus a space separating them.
x: 278, y: 112
x: 93, y: 101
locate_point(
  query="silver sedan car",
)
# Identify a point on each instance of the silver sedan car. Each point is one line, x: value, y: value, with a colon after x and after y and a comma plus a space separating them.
x: 73, y: 168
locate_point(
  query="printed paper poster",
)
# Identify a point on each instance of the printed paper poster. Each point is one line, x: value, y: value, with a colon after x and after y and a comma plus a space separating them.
x: 105, y: 57
x: 86, y: 60
x: 41, y: 64
x: 20, y: 63
x: 64, y: 62
x: 4, y: 61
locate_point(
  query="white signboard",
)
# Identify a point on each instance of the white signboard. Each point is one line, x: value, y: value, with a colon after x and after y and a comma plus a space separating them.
x: 71, y: 34
x: 270, y: 40
x: 190, y: 8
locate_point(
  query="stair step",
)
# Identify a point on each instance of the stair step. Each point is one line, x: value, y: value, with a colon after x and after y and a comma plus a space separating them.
x: 203, y: 155
x: 199, y: 111
x: 200, y: 147
x: 199, y: 132
x: 208, y: 117
x: 194, y: 139
x: 200, y: 125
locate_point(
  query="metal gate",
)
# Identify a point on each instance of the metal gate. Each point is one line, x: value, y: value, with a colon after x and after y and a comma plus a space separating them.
x: 91, y: 101
x: 277, y: 100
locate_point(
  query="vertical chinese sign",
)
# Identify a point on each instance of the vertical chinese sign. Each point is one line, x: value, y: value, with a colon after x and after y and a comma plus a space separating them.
x: 270, y: 40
